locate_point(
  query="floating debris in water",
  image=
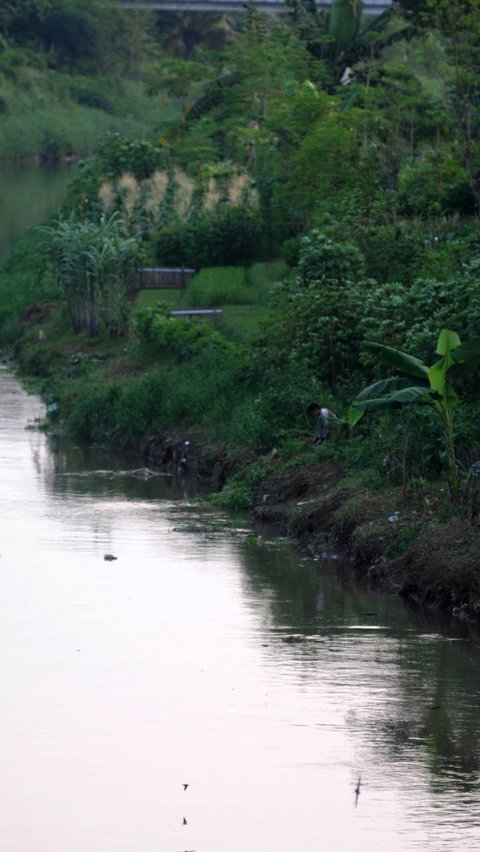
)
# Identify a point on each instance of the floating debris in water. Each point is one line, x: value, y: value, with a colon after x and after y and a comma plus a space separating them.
x: 143, y: 473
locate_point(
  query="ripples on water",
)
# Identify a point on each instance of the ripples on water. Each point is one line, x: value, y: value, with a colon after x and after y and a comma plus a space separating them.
x: 206, y: 655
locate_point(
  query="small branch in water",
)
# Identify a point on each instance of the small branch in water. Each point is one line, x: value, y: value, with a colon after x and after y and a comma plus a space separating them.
x: 357, y: 790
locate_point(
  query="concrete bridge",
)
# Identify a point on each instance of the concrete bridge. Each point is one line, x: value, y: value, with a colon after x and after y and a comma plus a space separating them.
x: 370, y: 7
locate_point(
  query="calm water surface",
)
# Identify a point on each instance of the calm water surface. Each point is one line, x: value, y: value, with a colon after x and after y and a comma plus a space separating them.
x: 204, y: 655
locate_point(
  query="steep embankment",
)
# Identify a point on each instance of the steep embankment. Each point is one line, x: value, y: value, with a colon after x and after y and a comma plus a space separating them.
x: 420, y: 549
x: 411, y: 549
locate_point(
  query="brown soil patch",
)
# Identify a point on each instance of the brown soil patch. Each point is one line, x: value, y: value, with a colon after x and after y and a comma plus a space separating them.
x: 413, y: 552
x: 441, y: 568
x: 40, y: 312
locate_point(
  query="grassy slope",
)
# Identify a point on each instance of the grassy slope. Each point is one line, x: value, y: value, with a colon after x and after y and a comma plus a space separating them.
x: 41, y: 107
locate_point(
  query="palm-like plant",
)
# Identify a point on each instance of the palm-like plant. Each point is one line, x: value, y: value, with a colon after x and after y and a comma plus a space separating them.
x: 344, y: 35
x: 420, y: 384
x: 92, y: 261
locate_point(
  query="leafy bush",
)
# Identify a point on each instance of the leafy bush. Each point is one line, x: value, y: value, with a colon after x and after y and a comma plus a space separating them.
x: 206, y: 391
x: 435, y: 184
x: 156, y: 332
x: 116, y: 156
x: 69, y: 36
x: 228, y: 236
x: 10, y: 326
x: 322, y: 258
x: 88, y: 94
x: 392, y: 252
x: 14, y: 59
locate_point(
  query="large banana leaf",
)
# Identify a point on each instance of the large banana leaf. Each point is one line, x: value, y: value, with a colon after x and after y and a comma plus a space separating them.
x: 401, y: 361
x: 447, y: 342
x: 387, y: 386
x: 377, y: 23
x: 468, y: 352
x: 395, y: 400
x: 343, y: 22
x: 354, y: 414
x: 437, y: 375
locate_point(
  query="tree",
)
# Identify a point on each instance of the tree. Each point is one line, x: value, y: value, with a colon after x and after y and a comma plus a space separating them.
x: 178, y: 77
x: 458, y: 22
x: 180, y: 33
x: 419, y: 384
x: 343, y: 35
x: 22, y: 19
x: 70, y: 36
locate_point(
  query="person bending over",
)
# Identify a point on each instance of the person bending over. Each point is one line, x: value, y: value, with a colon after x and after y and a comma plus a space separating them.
x: 323, y: 415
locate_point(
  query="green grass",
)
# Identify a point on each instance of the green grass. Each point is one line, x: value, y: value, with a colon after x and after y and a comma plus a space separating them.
x: 214, y: 287
x: 241, y: 292
x: 40, y: 107
x: 242, y: 322
x: 150, y: 298
x: 262, y: 276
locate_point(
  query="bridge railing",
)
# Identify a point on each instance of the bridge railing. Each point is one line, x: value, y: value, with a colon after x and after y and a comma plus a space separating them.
x: 274, y: 6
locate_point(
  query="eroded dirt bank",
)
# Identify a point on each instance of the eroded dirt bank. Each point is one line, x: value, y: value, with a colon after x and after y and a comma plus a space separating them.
x: 415, y: 548
x: 410, y: 548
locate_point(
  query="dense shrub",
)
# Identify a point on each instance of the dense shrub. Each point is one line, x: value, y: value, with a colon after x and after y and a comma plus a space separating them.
x: 90, y: 95
x: 322, y: 258
x: 228, y: 236
x: 156, y: 332
x: 116, y: 156
x: 435, y: 184
x: 392, y: 252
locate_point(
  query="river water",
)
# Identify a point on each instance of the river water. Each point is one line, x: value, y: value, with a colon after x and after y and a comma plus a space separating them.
x: 208, y: 655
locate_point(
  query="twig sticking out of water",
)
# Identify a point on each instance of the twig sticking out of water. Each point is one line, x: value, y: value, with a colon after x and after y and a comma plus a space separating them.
x: 357, y: 790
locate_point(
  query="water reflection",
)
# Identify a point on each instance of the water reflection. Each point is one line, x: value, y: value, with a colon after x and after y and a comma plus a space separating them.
x: 211, y: 654
x: 425, y: 708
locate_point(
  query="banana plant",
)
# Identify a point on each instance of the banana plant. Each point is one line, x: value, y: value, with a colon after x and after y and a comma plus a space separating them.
x: 420, y: 384
x: 344, y: 34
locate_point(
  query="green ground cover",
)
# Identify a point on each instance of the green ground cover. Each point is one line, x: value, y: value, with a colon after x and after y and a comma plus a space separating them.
x: 240, y: 292
x: 49, y: 114
x: 367, y: 192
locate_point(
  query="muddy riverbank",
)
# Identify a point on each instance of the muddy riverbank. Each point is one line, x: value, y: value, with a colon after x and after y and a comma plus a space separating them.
x: 412, y: 549
x: 420, y: 548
